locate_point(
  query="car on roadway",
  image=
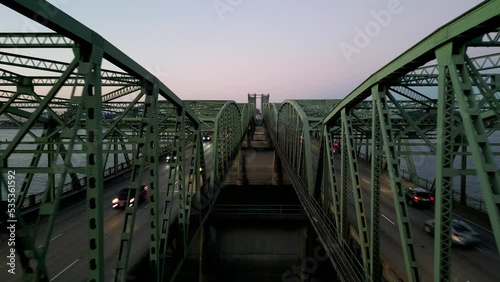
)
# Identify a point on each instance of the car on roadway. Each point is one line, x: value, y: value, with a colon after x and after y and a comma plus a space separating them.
x: 120, y: 200
x: 171, y: 157
x: 461, y: 233
x: 416, y: 196
x: 207, y: 138
x: 336, y: 147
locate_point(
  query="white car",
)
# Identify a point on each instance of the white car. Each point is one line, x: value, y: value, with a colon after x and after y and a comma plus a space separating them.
x: 461, y: 233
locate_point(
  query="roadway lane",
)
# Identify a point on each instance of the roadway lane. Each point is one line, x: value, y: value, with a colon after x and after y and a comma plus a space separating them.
x: 67, y: 254
x: 476, y: 264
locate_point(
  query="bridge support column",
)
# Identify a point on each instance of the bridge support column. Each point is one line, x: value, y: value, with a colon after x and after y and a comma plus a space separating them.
x: 242, y: 172
x: 208, y: 253
x: 367, y: 151
x: 277, y: 170
x: 463, y: 177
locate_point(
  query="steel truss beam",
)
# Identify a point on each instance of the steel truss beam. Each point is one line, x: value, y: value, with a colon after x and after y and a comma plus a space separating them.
x: 61, y: 138
x: 35, y: 40
x: 391, y: 157
x: 375, y: 169
x: 333, y: 207
x: 226, y: 140
x: 350, y: 151
x: 341, y: 256
x: 428, y: 75
x: 90, y: 69
x: 393, y: 123
x: 462, y: 78
x: 294, y: 135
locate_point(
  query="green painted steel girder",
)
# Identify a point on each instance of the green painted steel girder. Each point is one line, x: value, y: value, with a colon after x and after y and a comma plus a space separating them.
x: 247, y: 116
x: 270, y: 115
x: 403, y: 223
x: 474, y: 23
x: 65, y: 25
x: 351, y: 156
x: 428, y: 75
x: 294, y: 136
x: 286, y: 122
x: 375, y: 170
x: 226, y: 139
x: 35, y: 40
x: 413, y: 112
x: 92, y: 125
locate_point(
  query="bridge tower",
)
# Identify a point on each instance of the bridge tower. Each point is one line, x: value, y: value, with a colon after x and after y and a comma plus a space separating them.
x: 264, y: 99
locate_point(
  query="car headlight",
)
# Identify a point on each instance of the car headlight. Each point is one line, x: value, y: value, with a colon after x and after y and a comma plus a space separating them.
x: 115, y: 201
x: 456, y: 237
x: 132, y: 200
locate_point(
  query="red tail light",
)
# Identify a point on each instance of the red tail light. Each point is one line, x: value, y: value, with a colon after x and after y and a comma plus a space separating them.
x: 432, y: 198
x: 334, y: 151
x: 416, y: 198
x: 456, y: 234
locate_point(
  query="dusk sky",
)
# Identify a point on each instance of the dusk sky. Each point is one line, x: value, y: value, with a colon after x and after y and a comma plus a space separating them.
x: 291, y: 49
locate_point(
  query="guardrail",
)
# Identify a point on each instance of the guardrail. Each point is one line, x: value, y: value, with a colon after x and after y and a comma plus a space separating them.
x: 471, y: 201
x: 109, y: 173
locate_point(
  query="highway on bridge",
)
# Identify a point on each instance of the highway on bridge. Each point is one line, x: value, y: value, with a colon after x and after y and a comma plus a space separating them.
x: 468, y: 264
x: 67, y: 258
x: 67, y: 255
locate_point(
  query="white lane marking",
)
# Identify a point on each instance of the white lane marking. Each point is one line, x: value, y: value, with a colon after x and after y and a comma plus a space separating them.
x: 146, y: 206
x: 365, y: 181
x: 52, y: 239
x: 56, y: 237
x: 387, y: 219
x: 64, y: 269
x: 479, y: 249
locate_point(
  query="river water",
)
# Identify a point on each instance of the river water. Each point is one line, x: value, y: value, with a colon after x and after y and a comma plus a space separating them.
x: 39, y: 182
x: 424, y: 164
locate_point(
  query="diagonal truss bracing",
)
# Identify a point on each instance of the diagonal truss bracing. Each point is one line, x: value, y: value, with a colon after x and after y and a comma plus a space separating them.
x: 433, y: 100
x: 71, y: 117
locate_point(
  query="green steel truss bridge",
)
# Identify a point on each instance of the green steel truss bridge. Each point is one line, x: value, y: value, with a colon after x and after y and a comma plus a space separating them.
x: 82, y: 107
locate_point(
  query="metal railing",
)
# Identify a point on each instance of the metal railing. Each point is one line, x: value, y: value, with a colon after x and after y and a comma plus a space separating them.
x: 471, y: 201
x: 109, y: 173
